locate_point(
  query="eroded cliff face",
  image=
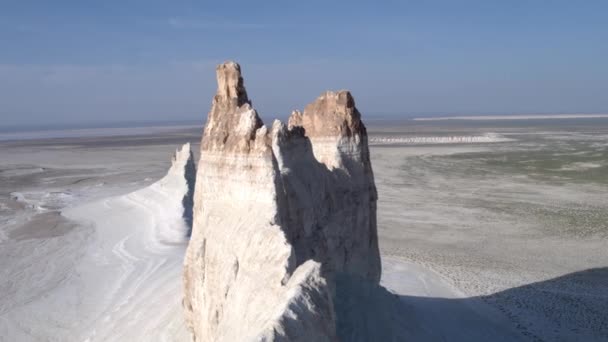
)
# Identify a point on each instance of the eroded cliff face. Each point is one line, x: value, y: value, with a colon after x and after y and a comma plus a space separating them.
x: 279, y: 215
x: 174, y: 195
x: 323, y: 159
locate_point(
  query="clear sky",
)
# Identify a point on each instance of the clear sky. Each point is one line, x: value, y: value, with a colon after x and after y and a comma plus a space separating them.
x: 104, y: 61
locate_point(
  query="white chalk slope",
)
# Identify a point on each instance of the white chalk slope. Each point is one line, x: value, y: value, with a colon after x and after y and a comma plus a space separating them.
x: 123, y: 284
x: 146, y: 232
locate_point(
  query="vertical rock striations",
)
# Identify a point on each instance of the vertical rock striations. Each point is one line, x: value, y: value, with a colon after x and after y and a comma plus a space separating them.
x: 279, y: 217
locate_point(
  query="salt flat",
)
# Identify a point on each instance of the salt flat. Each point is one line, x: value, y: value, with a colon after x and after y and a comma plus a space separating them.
x: 509, y: 224
x: 90, y: 249
x: 502, y: 239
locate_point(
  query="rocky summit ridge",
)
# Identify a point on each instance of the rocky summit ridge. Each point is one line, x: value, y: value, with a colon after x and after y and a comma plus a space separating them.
x: 284, y: 221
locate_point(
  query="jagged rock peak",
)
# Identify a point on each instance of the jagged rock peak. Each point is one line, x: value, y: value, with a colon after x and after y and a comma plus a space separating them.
x: 230, y: 85
x: 295, y: 119
x: 279, y: 215
x: 331, y: 114
x: 181, y: 156
x: 232, y: 123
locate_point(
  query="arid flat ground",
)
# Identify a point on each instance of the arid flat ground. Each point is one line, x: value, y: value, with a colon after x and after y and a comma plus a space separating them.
x: 499, y: 238
x: 521, y: 225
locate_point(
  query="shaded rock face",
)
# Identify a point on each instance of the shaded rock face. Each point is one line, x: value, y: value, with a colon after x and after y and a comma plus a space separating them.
x: 279, y: 214
x: 323, y: 159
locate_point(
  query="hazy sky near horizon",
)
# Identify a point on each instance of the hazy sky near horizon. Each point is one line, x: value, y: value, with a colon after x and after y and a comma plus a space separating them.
x: 106, y: 61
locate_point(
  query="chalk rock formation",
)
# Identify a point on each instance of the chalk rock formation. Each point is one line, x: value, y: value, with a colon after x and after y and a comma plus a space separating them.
x: 174, y: 194
x: 279, y: 216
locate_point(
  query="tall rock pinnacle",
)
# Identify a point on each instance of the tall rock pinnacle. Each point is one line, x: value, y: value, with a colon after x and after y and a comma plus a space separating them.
x: 281, y: 218
x: 230, y: 87
x: 232, y: 123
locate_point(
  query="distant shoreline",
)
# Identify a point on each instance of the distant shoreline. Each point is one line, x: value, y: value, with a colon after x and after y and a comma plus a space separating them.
x: 514, y: 117
x: 93, y: 132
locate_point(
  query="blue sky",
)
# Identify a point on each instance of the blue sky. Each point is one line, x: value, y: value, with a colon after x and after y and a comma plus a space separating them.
x: 106, y: 61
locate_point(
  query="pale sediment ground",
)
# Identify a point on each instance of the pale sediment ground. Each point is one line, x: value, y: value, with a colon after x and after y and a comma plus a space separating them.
x: 520, y: 225
x: 502, y: 240
x: 80, y: 254
x: 516, y: 117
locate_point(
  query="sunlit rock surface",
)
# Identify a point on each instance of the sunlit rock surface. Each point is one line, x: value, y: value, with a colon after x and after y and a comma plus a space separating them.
x: 279, y: 215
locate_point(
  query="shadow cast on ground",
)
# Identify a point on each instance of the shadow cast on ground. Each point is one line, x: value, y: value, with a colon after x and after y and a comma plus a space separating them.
x: 573, y: 307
